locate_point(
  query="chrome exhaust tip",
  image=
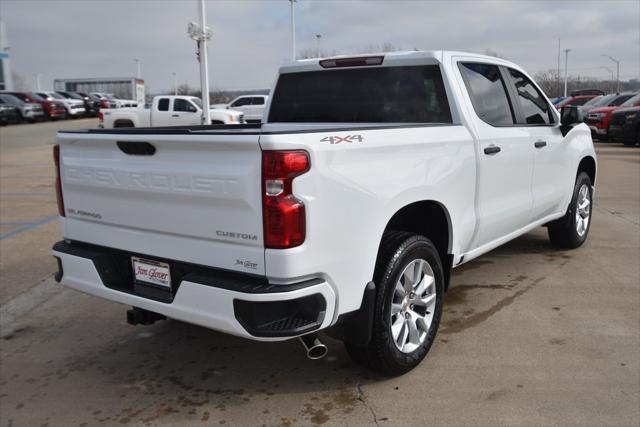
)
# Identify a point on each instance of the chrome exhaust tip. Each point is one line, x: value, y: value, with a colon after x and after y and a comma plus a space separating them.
x: 313, y: 346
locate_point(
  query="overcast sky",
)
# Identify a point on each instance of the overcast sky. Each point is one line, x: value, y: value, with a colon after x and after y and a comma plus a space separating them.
x: 93, y: 38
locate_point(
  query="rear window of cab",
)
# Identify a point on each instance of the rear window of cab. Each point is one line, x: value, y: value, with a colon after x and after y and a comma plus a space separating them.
x: 413, y: 94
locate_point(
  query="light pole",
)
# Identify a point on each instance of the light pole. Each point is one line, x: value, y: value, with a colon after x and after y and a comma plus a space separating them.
x: 293, y: 30
x: 617, y: 71
x: 611, y: 72
x: 558, y: 76
x: 38, y: 88
x: 318, y: 36
x: 566, y: 68
x: 201, y: 34
x: 175, y: 84
x: 138, y: 67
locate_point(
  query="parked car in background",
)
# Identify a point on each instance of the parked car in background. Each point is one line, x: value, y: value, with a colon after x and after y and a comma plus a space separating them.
x: 74, y: 107
x: 27, y: 111
x: 574, y: 100
x: 581, y: 92
x: 625, y: 126
x: 53, y: 109
x: 166, y: 111
x: 114, y: 102
x: 251, y: 105
x: 612, y: 99
x: 8, y: 114
x: 106, y: 100
x: 91, y: 106
x: 598, y: 119
x: 556, y: 101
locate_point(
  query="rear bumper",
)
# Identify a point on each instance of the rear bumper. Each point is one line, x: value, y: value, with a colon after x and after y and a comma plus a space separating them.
x: 234, y: 303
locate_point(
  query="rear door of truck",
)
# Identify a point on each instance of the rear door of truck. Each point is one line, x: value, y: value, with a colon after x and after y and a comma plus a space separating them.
x: 192, y: 197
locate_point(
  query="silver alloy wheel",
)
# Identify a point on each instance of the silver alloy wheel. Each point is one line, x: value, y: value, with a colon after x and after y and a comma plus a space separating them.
x: 583, y: 210
x: 412, y: 305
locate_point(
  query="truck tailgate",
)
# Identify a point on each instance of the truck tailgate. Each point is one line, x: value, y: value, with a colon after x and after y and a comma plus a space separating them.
x: 194, y: 198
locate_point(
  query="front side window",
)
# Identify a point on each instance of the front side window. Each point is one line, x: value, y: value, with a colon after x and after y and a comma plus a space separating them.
x: 535, y: 109
x: 183, y: 105
x: 411, y: 94
x: 163, y: 104
x: 488, y: 93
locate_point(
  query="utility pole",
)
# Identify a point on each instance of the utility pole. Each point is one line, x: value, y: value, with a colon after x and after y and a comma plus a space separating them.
x: 293, y: 30
x: 138, y: 67
x: 558, y: 75
x: 175, y: 84
x: 617, y: 71
x: 610, y: 72
x: 566, y: 68
x: 318, y: 36
x: 201, y: 34
x: 38, y: 88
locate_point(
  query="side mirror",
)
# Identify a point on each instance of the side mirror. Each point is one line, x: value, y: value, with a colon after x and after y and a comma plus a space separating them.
x: 570, y: 115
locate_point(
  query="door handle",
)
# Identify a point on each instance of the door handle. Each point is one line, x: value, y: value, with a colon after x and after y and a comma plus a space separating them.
x: 540, y: 144
x: 175, y: 115
x: 492, y: 149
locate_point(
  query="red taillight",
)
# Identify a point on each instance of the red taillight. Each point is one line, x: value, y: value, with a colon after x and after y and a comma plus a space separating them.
x: 56, y: 160
x: 283, y: 214
x: 100, y: 116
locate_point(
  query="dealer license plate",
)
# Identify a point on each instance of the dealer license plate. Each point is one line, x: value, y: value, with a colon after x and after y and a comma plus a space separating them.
x: 153, y: 272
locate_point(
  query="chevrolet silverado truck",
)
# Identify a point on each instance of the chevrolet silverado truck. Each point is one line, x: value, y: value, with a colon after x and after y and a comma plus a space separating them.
x: 166, y: 110
x: 371, y: 178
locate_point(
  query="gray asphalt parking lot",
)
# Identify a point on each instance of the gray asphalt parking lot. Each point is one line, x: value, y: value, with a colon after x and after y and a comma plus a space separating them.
x: 530, y: 335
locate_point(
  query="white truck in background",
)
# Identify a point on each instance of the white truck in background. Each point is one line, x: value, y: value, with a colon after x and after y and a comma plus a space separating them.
x: 371, y: 178
x: 166, y: 110
x: 252, y: 106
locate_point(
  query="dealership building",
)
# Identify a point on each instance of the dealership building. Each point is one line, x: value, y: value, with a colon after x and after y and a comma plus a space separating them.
x: 6, y: 82
x: 122, y: 88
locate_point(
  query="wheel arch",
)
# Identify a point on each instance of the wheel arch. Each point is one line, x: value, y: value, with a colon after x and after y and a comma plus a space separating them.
x: 428, y: 218
x: 123, y: 123
x: 588, y: 165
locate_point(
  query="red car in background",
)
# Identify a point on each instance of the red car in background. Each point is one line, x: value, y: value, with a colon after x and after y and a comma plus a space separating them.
x: 599, y: 118
x: 575, y: 100
x: 53, y: 110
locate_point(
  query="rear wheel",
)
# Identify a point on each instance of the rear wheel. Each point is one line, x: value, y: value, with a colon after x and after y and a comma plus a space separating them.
x: 409, y: 289
x: 571, y: 231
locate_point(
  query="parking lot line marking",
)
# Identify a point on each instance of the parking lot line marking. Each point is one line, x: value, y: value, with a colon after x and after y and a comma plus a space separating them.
x: 27, y: 227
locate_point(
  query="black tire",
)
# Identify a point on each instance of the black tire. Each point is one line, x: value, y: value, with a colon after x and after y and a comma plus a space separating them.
x: 397, y: 251
x: 563, y: 233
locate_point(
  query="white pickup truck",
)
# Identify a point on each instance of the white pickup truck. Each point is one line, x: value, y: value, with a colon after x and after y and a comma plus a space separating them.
x: 370, y: 180
x: 166, y: 110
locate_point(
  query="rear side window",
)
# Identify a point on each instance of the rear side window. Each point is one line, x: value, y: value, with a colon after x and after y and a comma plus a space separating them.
x: 488, y: 93
x: 241, y: 102
x: 163, y: 104
x: 257, y: 101
x: 366, y: 95
x: 535, y: 109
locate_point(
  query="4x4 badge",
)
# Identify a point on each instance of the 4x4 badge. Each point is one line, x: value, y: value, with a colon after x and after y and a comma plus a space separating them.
x: 342, y: 139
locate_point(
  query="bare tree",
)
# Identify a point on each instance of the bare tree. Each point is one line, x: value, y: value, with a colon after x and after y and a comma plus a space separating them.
x: 491, y: 52
x: 313, y: 53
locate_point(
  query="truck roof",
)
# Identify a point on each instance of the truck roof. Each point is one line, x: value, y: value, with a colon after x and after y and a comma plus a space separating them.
x: 412, y: 57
